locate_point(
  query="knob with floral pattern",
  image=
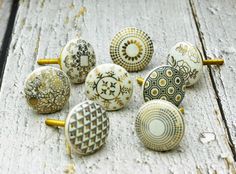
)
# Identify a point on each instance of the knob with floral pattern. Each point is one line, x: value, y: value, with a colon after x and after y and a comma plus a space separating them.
x: 110, y: 86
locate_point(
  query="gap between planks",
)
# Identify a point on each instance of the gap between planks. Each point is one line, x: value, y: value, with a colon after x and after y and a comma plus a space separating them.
x: 7, y: 39
x: 203, y: 45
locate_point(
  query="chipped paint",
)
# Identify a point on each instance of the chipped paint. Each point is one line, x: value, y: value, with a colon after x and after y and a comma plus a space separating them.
x: 207, y: 137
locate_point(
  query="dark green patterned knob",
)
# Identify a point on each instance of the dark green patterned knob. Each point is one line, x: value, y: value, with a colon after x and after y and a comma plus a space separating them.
x: 159, y: 125
x: 166, y: 83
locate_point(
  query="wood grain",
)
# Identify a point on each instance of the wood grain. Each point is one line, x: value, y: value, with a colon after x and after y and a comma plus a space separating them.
x: 42, y: 28
x: 5, y: 9
x: 217, y: 20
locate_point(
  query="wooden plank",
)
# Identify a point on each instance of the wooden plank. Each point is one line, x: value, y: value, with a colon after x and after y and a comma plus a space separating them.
x: 41, y: 29
x: 5, y: 9
x: 6, y: 23
x: 217, y: 19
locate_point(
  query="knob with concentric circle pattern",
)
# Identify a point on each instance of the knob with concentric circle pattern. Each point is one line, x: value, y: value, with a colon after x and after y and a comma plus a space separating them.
x: 159, y: 125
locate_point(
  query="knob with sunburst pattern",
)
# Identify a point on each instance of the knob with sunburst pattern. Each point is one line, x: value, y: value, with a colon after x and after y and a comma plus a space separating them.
x: 132, y: 49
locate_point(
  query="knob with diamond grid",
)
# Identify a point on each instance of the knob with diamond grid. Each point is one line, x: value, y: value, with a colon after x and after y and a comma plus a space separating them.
x: 86, y: 127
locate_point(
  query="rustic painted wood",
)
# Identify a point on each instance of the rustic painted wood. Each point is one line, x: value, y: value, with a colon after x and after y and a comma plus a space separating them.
x: 5, y: 9
x: 41, y: 29
x: 217, y: 25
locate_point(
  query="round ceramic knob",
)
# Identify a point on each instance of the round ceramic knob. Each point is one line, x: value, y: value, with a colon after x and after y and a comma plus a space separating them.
x: 132, y: 49
x: 86, y: 127
x: 110, y: 86
x: 47, y: 89
x: 166, y: 83
x: 160, y: 125
x: 77, y: 59
x: 186, y: 58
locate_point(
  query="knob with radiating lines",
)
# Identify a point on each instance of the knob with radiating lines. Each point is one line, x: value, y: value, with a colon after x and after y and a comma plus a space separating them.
x: 132, y: 49
x: 159, y: 125
x: 188, y: 59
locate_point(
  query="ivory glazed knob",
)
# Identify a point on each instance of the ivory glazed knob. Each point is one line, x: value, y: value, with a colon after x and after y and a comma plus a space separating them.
x: 188, y: 59
x: 110, y: 86
x: 86, y: 127
x: 47, y: 89
x: 76, y: 60
x: 166, y: 83
x: 132, y: 49
x: 159, y: 125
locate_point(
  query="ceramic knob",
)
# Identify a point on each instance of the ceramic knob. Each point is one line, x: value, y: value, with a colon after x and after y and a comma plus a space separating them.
x: 86, y: 127
x: 166, y: 83
x: 186, y: 58
x: 110, y: 86
x: 47, y: 89
x: 77, y: 60
x: 132, y: 49
x: 159, y: 125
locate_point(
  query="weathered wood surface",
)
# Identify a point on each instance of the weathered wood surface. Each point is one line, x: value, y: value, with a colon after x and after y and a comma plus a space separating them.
x: 42, y: 28
x: 217, y: 23
x: 5, y: 9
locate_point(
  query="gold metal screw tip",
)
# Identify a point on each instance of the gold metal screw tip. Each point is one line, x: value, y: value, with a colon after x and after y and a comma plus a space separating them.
x: 140, y: 80
x: 181, y: 109
x: 213, y: 62
x: 48, y: 61
x: 53, y: 122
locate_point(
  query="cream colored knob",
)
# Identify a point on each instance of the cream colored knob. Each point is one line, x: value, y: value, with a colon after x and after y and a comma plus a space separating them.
x: 160, y: 125
x: 132, y: 49
x: 86, y: 127
x: 187, y: 58
x: 47, y: 89
x: 110, y: 86
x: 76, y: 60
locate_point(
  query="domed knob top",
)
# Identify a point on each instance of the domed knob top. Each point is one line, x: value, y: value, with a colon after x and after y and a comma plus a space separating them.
x: 166, y: 83
x: 132, y: 49
x: 159, y: 125
x: 47, y: 89
x: 77, y: 60
x: 110, y: 86
x: 86, y: 127
x: 186, y: 58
